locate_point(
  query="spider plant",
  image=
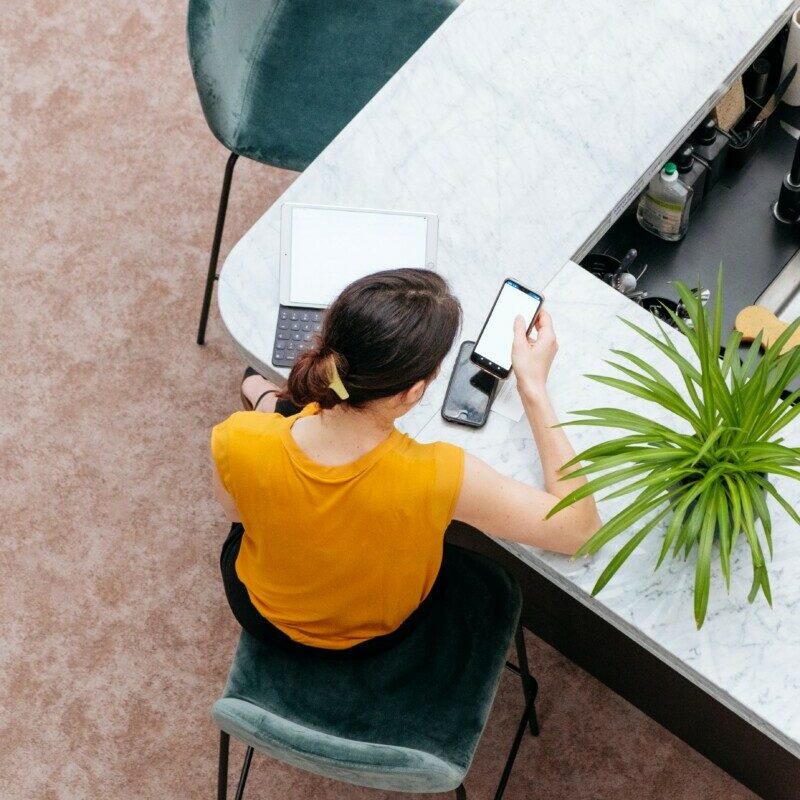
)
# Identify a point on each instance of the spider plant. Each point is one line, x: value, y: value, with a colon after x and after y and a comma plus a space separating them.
x: 709, y: 479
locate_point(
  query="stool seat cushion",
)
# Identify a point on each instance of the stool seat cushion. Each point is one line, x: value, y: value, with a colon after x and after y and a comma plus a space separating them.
x: 278, y: 79
x: 407, y: 719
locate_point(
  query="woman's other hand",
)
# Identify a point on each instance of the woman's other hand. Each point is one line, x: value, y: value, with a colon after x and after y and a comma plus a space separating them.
x: 532, y: 358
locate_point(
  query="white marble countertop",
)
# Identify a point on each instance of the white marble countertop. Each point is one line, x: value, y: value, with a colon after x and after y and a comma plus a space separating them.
x: 745, y: 655
x: 527, y: 127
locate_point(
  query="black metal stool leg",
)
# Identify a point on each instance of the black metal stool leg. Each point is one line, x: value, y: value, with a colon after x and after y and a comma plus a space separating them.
x: 530, y: 687
x: 501, y: 787
x: 222, y: 773
x: 248, y: 757
x: 212, y: 264
x: 461, y: 792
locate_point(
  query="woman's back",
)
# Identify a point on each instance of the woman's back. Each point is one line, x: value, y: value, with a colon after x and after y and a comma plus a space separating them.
x: 343, y: 516
x: 336, y: 555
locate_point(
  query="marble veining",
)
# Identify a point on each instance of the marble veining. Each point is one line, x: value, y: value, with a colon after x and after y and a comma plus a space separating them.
x: 523, y: 125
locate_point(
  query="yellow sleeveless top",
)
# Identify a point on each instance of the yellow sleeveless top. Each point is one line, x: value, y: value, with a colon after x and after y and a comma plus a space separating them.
x: 334, y: 556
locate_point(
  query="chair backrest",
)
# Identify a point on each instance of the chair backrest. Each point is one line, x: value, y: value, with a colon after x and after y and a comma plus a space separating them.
x: 223, y: 38
x: 279, y: 79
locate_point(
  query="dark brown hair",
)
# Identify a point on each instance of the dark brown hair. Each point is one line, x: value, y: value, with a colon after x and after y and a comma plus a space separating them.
x: 384, y: 333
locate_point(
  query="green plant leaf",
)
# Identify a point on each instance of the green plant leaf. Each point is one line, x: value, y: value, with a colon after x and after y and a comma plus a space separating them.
x: 611, y: 447
x: 653, y: 373
x: 724, y: 530
x: 689, y: 532
x: 644, y: 503
x: 768, y: 487
x: 735, y: 509
x: 784, y: 372
x: 731, y: 351
x: 702, y: 581
x: 624, y: 552
x: 716, y: 341
x: 760, y: 506
x: 700, y: 342
x: 680, y: 508
x: 674, y: 474
x: 662, y: 392
x: 668, y: 349
x: 783, y: 339
x: 709, y: 443
x: 759, y: 567
x: 782, y: 415
x: 633, y: 455
x: 651, y: 396
x: 593, y: 486
x: 626, y: 420
x: 772, y: 469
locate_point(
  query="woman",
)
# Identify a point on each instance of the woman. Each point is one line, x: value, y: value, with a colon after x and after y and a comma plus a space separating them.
x: 338, y: 517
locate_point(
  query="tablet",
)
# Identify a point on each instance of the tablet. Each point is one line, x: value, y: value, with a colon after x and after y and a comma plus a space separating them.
x: 324, y: 248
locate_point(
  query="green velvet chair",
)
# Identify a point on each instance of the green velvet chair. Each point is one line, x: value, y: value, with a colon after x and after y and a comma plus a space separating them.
x: 407, y: 719
x: 279, y: 79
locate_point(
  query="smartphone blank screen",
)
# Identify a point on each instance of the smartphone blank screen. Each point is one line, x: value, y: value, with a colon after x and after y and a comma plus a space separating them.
x: 497, y: 336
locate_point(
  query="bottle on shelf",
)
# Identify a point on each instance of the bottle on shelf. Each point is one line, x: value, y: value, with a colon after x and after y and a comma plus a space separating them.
x: 663, y: 209
x: 691, y: 173
x: 756, y: 79
x: 712, y: 147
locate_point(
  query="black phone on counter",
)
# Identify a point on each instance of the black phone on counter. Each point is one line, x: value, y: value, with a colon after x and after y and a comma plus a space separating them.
x: 470, y: 392
x: 493, y: 349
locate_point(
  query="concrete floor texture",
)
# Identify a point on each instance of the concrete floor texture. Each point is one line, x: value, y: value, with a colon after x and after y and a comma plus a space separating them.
x: 116, y: 637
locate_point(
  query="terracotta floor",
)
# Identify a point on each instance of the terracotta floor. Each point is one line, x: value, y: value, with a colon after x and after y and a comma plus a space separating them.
x: 115, y: 634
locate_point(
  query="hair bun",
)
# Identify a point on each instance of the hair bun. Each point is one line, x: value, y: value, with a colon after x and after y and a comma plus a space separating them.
x: 310, y: 378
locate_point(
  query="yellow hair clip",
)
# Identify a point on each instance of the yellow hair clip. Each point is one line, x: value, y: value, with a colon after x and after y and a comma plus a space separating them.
x: 336, y: 383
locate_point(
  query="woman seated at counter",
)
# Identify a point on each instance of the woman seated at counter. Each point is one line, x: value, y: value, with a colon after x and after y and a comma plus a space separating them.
x: 338, y: 518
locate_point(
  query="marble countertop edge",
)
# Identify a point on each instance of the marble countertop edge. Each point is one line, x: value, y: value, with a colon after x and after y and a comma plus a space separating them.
x: 528, y: 556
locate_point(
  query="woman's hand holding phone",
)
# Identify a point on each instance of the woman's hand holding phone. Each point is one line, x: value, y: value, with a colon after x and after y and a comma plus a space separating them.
x: 531, y: 359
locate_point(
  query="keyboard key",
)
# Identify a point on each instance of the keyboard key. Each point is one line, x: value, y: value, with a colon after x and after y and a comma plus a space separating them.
x: 306, y: 337
x: 295, y: 326
x: 308, y: 327
x: 294, y: 316
x: 283, y: 334
x: 304, y: 316
x: 284, y: 315
x: 296, y: 337
x: 316, y: 316
x: 290, y: 345
x: 283, y: 326
x: 280, y: 345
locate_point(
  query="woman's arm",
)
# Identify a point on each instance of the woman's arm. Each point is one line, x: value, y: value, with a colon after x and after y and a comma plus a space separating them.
x: 509, y: 509
x: 224, y: 499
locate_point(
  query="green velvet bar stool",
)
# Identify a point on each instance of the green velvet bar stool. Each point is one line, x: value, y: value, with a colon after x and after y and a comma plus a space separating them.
x: 406, y: 719
x: 279, y: 79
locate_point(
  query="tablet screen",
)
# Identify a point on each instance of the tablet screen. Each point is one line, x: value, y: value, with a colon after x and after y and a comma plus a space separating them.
x: 333, y: 247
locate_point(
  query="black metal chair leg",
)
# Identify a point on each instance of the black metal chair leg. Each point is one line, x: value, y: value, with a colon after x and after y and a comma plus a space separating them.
x: 501, y: 787
x: 530, y: 687
x: 222, y: 773
x: 461, y: 792
x: 248, y: 757
x: 212, y: 264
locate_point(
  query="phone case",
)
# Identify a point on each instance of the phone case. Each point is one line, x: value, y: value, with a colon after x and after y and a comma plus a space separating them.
x: 492, y: 394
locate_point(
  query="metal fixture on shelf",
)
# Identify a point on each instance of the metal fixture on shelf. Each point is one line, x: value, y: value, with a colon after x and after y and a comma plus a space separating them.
x: 617, y: 273
x: 787, y: 207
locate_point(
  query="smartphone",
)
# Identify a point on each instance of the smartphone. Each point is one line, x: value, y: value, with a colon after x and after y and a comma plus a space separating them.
x: 470, y: 392
x: 493, y: 349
